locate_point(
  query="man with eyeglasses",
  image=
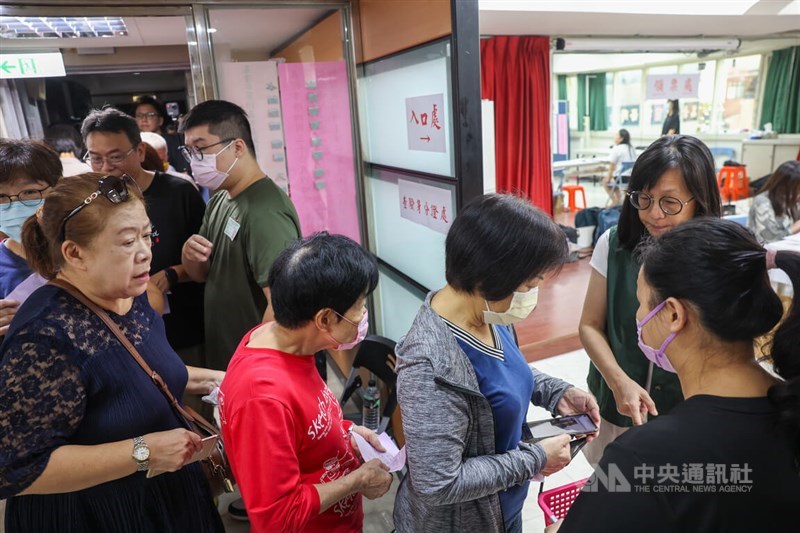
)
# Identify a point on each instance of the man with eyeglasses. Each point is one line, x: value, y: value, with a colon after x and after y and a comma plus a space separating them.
x: 114, y: 147
x: 151, y: 116
x: 248, y: 222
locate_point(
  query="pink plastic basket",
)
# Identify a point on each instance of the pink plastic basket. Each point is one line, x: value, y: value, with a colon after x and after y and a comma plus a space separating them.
x: 556, y: 502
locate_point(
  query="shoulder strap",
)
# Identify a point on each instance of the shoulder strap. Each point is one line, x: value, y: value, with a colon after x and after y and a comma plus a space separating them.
x: 187, y: 415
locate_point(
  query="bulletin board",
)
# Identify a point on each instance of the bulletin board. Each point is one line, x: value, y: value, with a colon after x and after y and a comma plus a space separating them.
x: 254, y: 87
x: 315, y: 104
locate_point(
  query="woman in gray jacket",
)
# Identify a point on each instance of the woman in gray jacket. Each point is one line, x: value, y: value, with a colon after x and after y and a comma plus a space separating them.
x: 463, y: 385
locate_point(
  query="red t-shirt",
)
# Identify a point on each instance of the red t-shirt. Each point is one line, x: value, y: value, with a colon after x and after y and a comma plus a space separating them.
x: 284, y: 433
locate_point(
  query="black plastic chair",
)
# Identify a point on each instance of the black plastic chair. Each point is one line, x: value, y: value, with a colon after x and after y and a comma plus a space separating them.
x: 375, y: 354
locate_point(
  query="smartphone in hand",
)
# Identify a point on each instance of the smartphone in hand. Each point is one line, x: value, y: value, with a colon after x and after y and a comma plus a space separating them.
x: 573, y: 425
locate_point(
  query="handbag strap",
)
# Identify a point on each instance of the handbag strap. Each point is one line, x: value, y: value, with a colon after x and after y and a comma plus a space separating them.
x: 187, y: 414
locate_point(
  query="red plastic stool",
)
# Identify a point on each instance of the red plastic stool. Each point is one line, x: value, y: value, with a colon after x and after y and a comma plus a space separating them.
x: 733, y: 183
x: 572, y: 190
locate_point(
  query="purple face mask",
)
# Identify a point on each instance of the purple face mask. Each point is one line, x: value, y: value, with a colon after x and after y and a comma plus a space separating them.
x: 363, y: 326
x: 657, y: 357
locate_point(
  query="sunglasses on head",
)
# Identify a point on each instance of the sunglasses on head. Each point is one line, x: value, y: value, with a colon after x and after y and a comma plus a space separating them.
x: 113, y: 188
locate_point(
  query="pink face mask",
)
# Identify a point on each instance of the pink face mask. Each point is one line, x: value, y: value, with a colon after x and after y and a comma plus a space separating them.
x: 657, y: 357
x: 362, y: 326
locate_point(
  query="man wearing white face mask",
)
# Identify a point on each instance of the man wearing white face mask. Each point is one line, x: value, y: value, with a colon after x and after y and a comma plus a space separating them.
x: 248, y: 222
x: 463, y: 384
x: 28, y: 169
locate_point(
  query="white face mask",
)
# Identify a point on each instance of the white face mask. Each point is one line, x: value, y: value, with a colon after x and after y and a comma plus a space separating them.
x: 522, y: 304
x: 205, y: 171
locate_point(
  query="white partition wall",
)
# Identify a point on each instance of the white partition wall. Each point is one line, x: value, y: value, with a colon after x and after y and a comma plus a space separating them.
x: 387, y: 88
x: 414, y: 249
x: 410, y: 180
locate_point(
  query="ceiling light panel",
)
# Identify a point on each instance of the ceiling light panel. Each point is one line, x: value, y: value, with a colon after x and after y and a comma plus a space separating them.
x: 61, y: 27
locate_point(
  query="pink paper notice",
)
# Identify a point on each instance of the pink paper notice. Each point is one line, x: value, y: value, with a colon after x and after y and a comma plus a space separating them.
x: 315, y: 104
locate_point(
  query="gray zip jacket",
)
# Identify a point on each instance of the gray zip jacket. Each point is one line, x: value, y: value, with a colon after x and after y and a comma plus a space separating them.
x: 454, y: 473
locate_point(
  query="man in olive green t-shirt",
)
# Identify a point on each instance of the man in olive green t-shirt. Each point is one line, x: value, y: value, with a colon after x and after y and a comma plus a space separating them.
x: 248, y: 222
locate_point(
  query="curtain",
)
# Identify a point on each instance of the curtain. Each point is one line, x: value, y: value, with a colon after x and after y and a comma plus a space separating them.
x: 562, y: 87
x: 597, y: 101
x: 515, y: 74
x: 781, y: 104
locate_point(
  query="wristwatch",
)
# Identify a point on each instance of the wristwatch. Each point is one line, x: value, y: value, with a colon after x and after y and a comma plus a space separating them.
x: 141, y: 454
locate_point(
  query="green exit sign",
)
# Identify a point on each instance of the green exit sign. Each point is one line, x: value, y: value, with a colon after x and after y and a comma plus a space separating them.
x: 35, y: 65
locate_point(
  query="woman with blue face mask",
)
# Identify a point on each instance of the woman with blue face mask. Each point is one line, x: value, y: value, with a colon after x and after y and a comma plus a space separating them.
x: 733, y: 444
x: 28, y: 169
x: 463, y: 385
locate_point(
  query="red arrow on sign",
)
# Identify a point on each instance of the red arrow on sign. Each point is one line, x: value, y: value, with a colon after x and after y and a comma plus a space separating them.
x: 426, y: 139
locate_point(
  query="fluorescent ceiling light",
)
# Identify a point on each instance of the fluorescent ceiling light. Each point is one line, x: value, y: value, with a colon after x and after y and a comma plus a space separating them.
x: 584, y: 62
x: 625, y: 7
x: 569, y: 44
x: 61, y: 27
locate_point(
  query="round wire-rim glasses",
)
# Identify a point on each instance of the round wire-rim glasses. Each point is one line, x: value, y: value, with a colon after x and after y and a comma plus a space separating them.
x: 670, y: 205
x: 28, y: 197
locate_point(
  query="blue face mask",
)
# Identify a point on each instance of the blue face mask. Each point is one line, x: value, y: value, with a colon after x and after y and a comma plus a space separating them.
x: 12, y: 219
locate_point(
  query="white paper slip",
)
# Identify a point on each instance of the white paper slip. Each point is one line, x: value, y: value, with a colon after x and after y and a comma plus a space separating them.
x: 393, y: 458
x: 208, y: 443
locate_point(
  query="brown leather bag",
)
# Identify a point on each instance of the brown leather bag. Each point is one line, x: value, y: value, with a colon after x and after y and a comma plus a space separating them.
x: 216, y: 467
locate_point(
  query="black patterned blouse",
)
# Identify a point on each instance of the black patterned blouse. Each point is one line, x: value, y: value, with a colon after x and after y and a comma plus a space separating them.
x: 65, y: 379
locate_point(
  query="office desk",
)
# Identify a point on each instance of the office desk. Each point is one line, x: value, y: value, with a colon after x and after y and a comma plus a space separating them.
x: 583, y: 162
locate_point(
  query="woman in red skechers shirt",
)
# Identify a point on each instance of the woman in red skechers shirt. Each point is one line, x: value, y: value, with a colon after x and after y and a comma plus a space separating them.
x: 292, y: 454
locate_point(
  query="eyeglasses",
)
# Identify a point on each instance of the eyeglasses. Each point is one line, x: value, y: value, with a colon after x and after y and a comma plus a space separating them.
x: 113, y: 188
x: 668, y: 204
x: 190, y: 153
x: 28, y: 197
x: 146, y: 116
x: 97, y: 161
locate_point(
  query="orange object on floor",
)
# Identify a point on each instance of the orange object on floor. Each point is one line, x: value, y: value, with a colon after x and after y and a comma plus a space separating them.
x: 572, y: 191
x: 733, y: 183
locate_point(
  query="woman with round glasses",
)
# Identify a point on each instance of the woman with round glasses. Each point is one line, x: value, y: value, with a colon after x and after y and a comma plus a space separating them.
x: 28, y: 170
x: 671, y: 182
x: 82, y: 424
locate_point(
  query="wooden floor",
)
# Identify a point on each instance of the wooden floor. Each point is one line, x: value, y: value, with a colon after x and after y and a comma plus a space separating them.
x: 552, y: 328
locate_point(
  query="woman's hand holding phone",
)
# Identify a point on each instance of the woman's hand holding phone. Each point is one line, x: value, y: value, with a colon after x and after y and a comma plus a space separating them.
x: 558, y: 454
x: 576, y: 401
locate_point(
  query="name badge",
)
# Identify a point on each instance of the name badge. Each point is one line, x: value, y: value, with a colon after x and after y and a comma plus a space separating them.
x: 231, y: 228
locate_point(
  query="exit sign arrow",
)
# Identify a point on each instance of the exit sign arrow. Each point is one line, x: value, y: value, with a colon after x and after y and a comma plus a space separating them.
x: 427, y: 138
x: 6, y: 67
